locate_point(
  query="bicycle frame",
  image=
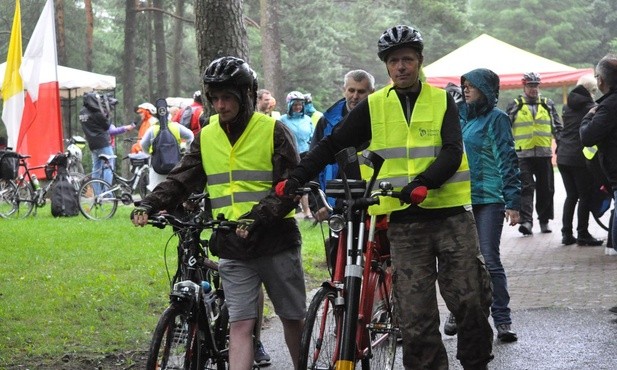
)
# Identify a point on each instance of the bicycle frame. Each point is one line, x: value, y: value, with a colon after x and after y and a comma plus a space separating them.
x: 360, y: 280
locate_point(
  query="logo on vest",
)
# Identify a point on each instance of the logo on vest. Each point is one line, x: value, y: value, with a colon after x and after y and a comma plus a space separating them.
x: 429, y: 132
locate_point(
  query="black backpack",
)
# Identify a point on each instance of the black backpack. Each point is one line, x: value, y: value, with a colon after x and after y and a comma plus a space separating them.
x: 64, y: 198
x: 165, y: 147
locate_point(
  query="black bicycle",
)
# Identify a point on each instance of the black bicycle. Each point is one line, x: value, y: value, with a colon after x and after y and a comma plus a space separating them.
x: 193, y: 332
x: 99, y: 200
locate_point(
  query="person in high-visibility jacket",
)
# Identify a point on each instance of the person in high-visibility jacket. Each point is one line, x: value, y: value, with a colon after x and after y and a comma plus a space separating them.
x: 237, y: 158
x: 415, y: 128
x: 534, y: 123
x: 184, y: 135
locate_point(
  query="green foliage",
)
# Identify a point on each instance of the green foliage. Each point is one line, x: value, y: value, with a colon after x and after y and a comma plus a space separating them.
x: 73, y: 286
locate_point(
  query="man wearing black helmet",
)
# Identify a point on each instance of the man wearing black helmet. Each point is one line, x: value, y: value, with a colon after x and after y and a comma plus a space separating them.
x: 236, y: 158
x: 415, y: 127
x: 534, y: 121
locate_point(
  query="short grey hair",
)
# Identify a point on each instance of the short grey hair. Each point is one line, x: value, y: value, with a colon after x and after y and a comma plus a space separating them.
x: 607, y: 69
x: 588, y: 82
x: 360, y: 75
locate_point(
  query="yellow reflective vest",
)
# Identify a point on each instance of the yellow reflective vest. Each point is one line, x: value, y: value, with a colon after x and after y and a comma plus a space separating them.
x: 239, y: 176
x: 409, y: 150
x: 531, y: 133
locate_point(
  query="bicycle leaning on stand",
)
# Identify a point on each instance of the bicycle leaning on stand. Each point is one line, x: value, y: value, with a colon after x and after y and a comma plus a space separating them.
x: 193, y: 332
x: 351, y: 317
x: 99, y: 200
x: 20, y: 197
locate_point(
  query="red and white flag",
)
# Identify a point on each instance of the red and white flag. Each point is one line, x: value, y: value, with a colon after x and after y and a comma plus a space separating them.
x: 40, y: 133
x: 12, y: 85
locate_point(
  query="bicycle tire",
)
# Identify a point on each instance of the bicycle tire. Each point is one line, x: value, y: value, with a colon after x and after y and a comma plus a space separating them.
x: 97, y: 207
x: 321, y: 332
x: 221, y: 336
x: 175, y: 342
x: 25, y: 204
x: 142, y: 185
x: 600, y: 222
x: 8, y: 192
x: 382, y: 332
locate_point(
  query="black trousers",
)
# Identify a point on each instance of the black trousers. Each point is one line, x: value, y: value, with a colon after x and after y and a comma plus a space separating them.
x: 537, y: 177
x: 578, y: 185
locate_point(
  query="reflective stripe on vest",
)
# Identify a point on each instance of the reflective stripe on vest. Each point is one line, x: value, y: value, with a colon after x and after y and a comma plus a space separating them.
x: 173, y: 127
x: 590, y: 151
x: 530, y: 132
x: 239, y: 176
x: 409, y: 149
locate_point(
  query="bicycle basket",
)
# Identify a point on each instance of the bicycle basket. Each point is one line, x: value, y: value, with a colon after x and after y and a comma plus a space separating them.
x: 9, y: 165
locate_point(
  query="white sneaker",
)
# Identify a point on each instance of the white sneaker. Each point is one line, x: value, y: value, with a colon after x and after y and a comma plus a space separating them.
x: 610, y: 251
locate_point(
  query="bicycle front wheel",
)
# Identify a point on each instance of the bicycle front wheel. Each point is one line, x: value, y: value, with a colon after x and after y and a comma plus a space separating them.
x: 97, y: 200
x: 321, y: 332
x: 383, y: 331
x: 8, y: 196
x: 175, y: 343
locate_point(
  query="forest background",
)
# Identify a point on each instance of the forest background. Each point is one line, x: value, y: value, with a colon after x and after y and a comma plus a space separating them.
x: 158, y: 48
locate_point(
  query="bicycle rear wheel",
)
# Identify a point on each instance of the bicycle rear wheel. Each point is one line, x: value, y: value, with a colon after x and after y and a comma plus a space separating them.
x: 23, y: 200
x: 8, y: 194
x: 175, y: 343
x: 97, y: 200
x: 321, y: 331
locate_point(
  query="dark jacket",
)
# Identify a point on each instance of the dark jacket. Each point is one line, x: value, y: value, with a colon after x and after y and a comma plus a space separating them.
x: 272, y: 233
x: 355, y: 131
x: 600, y: 128
x: 570, y: 149
x: 94, y: 123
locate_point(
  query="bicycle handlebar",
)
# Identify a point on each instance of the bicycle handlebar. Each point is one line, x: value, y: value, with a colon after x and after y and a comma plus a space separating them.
x: 162, y: 220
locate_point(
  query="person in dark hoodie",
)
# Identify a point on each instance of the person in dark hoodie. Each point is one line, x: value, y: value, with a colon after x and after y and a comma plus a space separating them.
x: 573, y: 167
x: 495, y: 184
x: 96, y: 123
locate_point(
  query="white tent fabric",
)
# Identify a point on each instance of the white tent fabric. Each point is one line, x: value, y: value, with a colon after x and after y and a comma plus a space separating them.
x: 74, y: 82
x: 508, y: 61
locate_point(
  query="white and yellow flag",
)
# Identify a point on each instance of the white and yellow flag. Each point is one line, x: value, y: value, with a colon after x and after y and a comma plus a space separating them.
x: 13, y: 86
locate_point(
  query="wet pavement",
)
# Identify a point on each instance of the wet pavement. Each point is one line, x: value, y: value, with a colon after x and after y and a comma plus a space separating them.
x: 560, y: 296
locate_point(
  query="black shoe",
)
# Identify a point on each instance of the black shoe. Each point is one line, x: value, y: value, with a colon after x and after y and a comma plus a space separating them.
x: 588, y: 240
x: 505, y: 333
x: 449, y: 328
x: 613, y: 309
x: 262, y: 358
x: 544, y: 228
x: 525, y: 228
x: 568, y: 239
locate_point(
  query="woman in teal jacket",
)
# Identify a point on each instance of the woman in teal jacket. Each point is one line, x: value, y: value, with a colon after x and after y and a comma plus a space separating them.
x: 495, y: 182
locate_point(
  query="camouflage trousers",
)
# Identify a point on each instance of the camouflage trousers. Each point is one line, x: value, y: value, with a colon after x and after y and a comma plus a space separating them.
x: 445, y: 251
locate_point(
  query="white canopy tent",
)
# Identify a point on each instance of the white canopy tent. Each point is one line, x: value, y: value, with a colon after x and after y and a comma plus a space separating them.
x: 73, y: 84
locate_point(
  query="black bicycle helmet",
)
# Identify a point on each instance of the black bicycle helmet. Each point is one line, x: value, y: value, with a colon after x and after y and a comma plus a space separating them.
x: 230, y: 71
x: 531, y: 78
x: 396, y: 37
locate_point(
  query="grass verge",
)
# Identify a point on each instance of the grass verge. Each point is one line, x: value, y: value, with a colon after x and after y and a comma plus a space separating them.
x: 71, y: 286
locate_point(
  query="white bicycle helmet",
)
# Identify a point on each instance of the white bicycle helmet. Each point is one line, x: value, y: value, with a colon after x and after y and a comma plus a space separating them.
x: 149, y: 107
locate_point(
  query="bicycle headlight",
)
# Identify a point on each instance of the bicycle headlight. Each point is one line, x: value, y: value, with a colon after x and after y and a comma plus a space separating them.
x: 336, y: 223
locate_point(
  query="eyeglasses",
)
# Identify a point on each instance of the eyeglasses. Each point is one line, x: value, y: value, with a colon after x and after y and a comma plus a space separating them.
x: 468, y: 87
x: 596, y: 75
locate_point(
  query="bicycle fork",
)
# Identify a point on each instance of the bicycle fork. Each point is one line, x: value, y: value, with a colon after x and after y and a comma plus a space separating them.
x: 353, y: 285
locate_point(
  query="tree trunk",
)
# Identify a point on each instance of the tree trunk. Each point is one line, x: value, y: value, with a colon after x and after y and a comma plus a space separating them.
x: 271, y: 49
x: 89, y: 34
x: 220, y: 32
x: 178, y: 47
x: 161, y: 85
x: 128, y: 73
x: 60, y: 31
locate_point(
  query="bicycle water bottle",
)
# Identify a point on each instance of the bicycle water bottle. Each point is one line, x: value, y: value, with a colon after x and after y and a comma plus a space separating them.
x: 35, y: 182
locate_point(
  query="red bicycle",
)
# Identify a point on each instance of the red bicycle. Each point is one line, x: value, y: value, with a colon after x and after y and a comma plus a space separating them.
x: 351, y: 318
